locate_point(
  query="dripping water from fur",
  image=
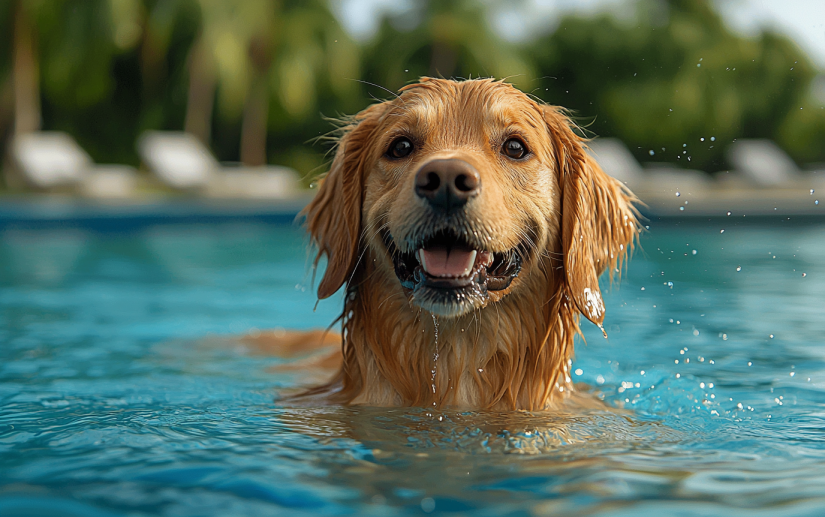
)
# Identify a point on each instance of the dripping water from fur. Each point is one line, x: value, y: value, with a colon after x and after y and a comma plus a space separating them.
x: 434, y: 371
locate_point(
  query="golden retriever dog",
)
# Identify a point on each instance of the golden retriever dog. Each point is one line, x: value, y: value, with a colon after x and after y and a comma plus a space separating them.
x: 469, y: 227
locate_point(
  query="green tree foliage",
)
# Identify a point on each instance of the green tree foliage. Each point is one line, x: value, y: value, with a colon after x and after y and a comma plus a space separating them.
x: 111, y: 69
x: 263, y: 72
x: 442, y: 38
x: 675, y: 77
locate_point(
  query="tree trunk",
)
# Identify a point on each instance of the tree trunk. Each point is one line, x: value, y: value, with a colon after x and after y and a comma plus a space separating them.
x: 201, y: 98
x: 253, y: 129
x: 26, y: 74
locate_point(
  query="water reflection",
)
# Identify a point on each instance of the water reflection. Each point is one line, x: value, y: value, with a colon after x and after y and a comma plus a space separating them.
x: 44, y: 257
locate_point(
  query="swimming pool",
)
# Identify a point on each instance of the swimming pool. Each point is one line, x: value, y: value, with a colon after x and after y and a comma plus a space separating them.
x: 124, y: 392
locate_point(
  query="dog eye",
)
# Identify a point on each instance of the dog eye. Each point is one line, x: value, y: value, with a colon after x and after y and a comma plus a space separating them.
x: 514, y: 148
x: 400, y: 147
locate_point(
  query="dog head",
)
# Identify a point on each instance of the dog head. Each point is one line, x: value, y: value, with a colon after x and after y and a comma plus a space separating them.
x: 458, y: 191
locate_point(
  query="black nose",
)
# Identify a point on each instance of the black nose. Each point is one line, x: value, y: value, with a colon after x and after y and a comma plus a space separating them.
x: 447, y: 184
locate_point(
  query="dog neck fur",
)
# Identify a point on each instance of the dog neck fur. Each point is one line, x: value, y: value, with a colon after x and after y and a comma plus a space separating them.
x: 511, y: 354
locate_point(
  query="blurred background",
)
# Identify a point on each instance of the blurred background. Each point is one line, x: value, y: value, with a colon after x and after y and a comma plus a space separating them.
x: 227, y: 98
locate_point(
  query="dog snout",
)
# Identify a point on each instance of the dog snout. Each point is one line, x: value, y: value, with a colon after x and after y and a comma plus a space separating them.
x: 447, y: 184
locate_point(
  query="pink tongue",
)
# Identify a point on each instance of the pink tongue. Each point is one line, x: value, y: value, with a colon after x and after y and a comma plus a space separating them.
x: 453, y: 263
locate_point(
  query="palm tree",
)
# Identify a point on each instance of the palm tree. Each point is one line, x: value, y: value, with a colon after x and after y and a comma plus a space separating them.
x: 263, y: 56
x: 25, y: 71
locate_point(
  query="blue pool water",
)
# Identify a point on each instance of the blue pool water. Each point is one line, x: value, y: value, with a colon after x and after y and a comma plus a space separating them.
x: 124, y: 390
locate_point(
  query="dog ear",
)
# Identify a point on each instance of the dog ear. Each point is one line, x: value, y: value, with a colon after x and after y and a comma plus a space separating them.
x: 334, y: 215
x: 599, y: 220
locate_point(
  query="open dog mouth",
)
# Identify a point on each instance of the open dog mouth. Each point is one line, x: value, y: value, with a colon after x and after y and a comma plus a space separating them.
x: 447, y: 273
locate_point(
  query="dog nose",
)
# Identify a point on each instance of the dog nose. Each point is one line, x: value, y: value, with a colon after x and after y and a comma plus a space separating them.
x: 447, y: 184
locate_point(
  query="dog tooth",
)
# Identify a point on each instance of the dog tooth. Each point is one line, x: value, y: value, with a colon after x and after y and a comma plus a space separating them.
x: 420, y: 257
x: 470, y: 263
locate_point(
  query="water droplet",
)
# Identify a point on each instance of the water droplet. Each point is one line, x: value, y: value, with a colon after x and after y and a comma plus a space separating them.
x: 578, y: 371
x: 694, y: 252
x: 738, y: 268
x: 713, y: 139
x: 643, y: 288
x: 792, y: 374
x: 804, y: 275
x: 722, y: 231
x: 681, y: 208
x: 812, y: 192
x: 750, y: 363
x: 678, y: 194
x: 702, y: 139
x: 771, y: 336
x: 816, y: 202
x: 651, y: 152
x: 728, y: 214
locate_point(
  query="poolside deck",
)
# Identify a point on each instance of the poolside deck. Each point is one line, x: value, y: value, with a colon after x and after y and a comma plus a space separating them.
x: 54, y: 211
x: 780, y: 202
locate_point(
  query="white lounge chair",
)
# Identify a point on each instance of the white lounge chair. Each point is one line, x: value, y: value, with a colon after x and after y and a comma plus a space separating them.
x: 182, y: 162
x: 616, y: 160
x: 109, y: 182
x: 763, y: 163
x: 48, y: 160
x: 178, y: 159
x: 52, y: 160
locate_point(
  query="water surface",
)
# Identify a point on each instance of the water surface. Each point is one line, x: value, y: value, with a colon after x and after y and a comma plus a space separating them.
x: 123, y: 390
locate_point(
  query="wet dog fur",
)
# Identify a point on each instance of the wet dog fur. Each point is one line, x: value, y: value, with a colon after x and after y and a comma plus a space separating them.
x: 544, y: 222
